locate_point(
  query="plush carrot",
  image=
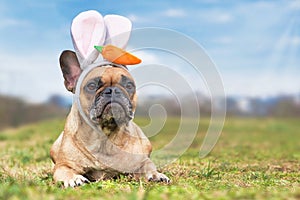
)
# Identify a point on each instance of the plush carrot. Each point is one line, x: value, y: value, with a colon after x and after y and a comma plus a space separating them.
x: 117, y: 55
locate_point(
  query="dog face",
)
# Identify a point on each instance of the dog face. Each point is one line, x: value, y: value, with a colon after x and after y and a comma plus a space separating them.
x: 108, y: 97
x: 107, y: 94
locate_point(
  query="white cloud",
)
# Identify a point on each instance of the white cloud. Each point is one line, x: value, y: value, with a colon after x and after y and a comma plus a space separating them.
x: 223, y: 18
x: 261, y: 5
x: 141, y: 19
x: 134, y: 18
x: 261, y: 84
x: 294, y: 5
x: 175, y: 13
x: 33, y: 78
x: 148, y: 57
x: 213, y: 16
x: 225, y: 40
x: 292, y: 41
x: 10, y: 22
x: 285, y: 43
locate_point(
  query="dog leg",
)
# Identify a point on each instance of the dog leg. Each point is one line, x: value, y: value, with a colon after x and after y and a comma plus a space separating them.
x: 55, y: 148
x: 68, y: 177
x: 151, y: 174
x: 157, y: 177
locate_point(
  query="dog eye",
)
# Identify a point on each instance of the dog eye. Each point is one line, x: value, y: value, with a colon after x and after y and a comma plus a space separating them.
x: 129, y: 86
x: 92, y: 87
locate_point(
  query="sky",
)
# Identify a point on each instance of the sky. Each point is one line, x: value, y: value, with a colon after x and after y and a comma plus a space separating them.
x: 255, y: 45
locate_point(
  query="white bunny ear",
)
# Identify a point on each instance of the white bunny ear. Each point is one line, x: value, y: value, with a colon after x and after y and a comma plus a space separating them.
x: 88, y: 29
x: 118, y: 30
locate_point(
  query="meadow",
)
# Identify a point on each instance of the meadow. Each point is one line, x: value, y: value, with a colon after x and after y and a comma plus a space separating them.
x: 253, y: 159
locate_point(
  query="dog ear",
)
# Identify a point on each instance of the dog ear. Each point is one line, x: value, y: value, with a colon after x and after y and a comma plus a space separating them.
x: 70, y: 68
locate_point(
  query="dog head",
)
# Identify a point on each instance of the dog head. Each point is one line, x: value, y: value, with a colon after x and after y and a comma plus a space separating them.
x: 107, y: 93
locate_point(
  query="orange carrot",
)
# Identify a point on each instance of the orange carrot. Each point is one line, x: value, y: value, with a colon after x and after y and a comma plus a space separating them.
x: 117, y: 55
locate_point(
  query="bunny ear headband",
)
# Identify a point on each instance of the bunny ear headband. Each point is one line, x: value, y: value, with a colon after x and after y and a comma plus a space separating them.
x: 93, y: 34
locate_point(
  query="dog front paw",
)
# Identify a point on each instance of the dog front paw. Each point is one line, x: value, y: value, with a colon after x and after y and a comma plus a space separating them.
x: 69, y: 178
x: 158, y: 177
x: 76, y: 180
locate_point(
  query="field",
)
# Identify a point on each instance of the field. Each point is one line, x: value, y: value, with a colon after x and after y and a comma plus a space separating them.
x: 253, y: 159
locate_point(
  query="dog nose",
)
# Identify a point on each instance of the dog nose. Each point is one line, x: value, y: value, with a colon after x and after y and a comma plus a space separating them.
x: 109, y: 91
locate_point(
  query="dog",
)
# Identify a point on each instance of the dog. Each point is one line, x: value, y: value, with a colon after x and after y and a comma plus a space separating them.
x: 108, y: 99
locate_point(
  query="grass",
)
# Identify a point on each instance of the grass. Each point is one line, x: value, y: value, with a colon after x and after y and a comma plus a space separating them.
x: 253, y: 159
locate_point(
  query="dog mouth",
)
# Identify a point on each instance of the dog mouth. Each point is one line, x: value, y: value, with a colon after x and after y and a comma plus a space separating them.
x: 111, y: 114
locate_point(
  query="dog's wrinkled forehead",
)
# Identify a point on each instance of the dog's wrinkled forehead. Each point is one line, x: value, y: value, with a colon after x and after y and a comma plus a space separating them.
x: 108, y: 74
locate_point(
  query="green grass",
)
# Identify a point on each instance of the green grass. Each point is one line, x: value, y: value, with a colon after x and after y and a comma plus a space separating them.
x: 253, y: 159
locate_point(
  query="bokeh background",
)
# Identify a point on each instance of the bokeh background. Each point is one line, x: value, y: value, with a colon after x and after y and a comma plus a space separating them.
x: 254, y: 44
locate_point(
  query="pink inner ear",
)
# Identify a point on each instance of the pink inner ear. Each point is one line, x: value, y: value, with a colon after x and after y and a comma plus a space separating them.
x: 87, y: 30
x: 87, y: 36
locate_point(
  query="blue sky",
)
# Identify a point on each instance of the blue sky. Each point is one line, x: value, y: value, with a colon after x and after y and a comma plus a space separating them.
x: 254, y: 44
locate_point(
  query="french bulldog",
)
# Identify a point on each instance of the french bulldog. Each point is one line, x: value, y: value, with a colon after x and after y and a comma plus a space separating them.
x: 82, y: 153
x: 100, y: 140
